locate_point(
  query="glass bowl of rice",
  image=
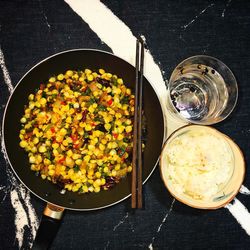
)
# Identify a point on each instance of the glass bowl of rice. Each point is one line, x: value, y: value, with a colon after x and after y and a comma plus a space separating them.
x: 201, y: 167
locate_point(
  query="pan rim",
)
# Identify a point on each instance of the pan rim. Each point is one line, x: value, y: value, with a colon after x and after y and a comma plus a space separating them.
x: 3, y: 125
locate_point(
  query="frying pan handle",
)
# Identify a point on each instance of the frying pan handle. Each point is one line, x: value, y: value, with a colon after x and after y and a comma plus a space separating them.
x: 48, y: 228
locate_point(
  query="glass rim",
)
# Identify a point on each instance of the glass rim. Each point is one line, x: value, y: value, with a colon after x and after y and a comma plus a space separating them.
x: 176, y: 113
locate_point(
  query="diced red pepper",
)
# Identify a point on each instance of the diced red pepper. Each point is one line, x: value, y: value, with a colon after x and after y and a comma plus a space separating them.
x: 61, y: 160
x: 93, y: 124
x: 115, y: 135
x: 74, y: 137
x: 110, y: 102
x: 52, y: 130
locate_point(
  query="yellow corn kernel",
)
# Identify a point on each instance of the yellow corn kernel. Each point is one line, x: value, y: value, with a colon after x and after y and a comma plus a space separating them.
x: 109, y: 145
x: 87, y: 71
x: 85, y: 189
x: 97, y: 133
x: 69, y: 139
x: 75, y: 76
x: 108, y: 90
x: 105, y: 169
x: 55, y: 145
x: 116, y: 158
x: 96, y: 152
x: 119, y: 81
x: 31, y: 105
x: 118, y: 91
x: 117, y: 167
x: 69, y: 162
x: 43, y: 101
x: 113, y: 173
x: 31, y: 97
x: 112, y: 152
x: 108, y: 137
x: 34, y: 149
x: 107, y: 126
x: 128, y: 91
x: 43, y: 176
x: 54, y: 92
x: 71, y: 172
x: 78, y: 162
x: 103, y: 141
x: 101, y: 146
x: 69, y: 119
x: 98, y: 174
x: 97, y: 183
x: 75, y: 188
x: 63, y: 131
x: 22, y: 131
x: 118, y: 115
x: 47, y: 162
x: 52, y: 79
x: 32, y: 159
x: 128, y: 121
x: 60, y: 77
x: 68, y: 186
x: 82, y: 124
x: 91, y: 189
x: 97, y: 189
x: 121, y: 129
x: 91, y: 147
x: 118, y: 122
x: 55, y: 152
x: 88, y: 127
x: 76, y: 156
x: 65, y: 143
x: 69, y: 153
x: 71, y: 111
x: 90, y: 78
x: 129, y: 168
x: 128, y: 129
x: 86, y: 158
x: 90, y: 181
x: 120, y: 137
x: 99, y: 86
x: 42, y: 149
x: 91, y: 109
x: 23, y: 120
x: 103, y: 181
x: 101, y: 71
x: 35, y: 140
x: 69, y: 73
x: 51, y: 172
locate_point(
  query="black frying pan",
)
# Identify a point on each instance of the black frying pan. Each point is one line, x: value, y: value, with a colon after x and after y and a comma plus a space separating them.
x: 18, y: 159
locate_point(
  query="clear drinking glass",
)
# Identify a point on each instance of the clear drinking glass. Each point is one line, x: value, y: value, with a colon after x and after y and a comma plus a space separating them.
x: 202, y: 90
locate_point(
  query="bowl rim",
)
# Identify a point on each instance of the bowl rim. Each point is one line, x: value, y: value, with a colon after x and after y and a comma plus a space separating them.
x: 230, y: 141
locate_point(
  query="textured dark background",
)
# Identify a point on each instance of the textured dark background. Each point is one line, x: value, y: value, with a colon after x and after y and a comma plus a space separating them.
x: 26, y: 38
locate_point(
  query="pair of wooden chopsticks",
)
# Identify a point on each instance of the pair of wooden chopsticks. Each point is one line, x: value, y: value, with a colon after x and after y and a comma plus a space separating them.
x: 136, y: 201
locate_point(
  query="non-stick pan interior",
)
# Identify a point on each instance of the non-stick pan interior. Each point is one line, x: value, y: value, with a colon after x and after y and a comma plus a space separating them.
x: 79, y: 59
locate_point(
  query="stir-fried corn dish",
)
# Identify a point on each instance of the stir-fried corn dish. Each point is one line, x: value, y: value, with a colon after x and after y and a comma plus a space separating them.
x: 77, y: 130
